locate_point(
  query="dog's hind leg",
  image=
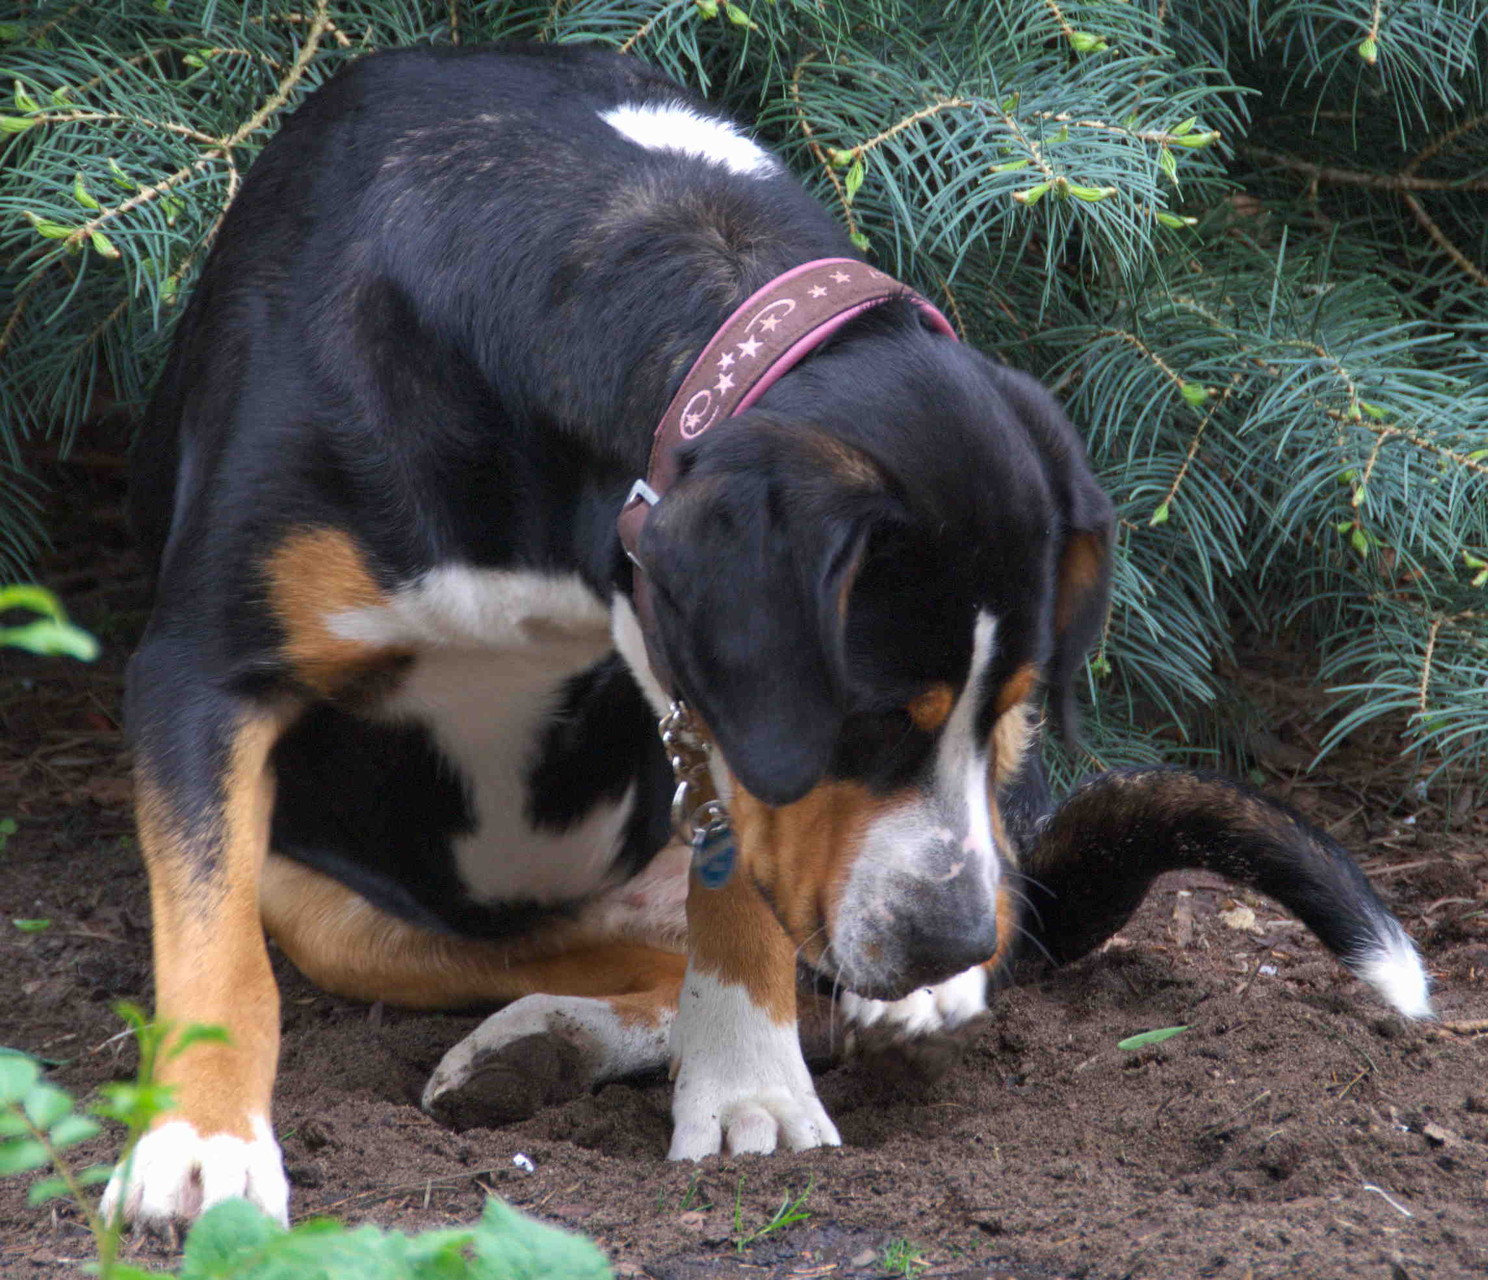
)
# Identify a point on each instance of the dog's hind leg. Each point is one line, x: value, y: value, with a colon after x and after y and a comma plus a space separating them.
x: 1094, y: 857
x: 586, y: 1006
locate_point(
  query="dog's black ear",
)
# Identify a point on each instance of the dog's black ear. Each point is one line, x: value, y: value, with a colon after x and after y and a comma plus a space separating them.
x: 1082, y: 591
x: 753, y: 553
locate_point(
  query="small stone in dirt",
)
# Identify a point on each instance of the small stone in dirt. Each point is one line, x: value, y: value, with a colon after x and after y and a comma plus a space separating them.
x: 1438, y: 1136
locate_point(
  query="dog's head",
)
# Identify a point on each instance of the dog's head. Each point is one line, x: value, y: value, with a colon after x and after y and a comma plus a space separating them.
x: 860, y: 589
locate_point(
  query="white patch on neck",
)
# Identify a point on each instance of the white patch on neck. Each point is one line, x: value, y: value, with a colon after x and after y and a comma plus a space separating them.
x: 493, y: 650
x: 671, y: 126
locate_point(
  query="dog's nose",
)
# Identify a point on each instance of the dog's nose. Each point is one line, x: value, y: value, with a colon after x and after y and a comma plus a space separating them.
x: 939, y: 944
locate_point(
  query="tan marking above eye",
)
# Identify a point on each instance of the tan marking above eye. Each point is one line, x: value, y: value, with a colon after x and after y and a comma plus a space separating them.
x: 931, y: 709
x: 1016, y: 688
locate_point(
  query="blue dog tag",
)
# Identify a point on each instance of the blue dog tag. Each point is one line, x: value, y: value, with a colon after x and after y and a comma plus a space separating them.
x: 713, y: 853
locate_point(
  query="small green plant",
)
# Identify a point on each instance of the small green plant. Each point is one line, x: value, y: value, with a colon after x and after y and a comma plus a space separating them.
x: 235, y: 1240
x: 51, y: 632
x: 790, y: 1212
x: 902, y: 1258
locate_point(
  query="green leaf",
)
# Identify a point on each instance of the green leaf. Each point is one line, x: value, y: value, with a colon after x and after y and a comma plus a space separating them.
x: 197, y: 1033
x: 38, y: 925
x: 1480, y: 579
x: 1473, y: 562
x: 739, y: 16
x: 1160, y: 516
x: 23, y: 100
x: 22, y: 1154
x: 18, y: 1076
x: 1030, y: 196
x: 226, y: 1236
x: 1091, y: 195
x: 1369, y: 50
x: 1196, y: 141
x: 1184, y: 127
x: 12, y: 1122
x: 707, y: 8
x: 46, y: 1104
x: 859, y: 239
x: 1175, y: 222
x: 47, y: 1189
x: 72, y: 1129
x: 1010, y: 166
x: 1168, y: 163
x: 1359, y: 540
x: 1085, y: 42
x: 120, y: 177
x: 854, y: 179
x: 95, y: 1175
x: 80, y: 194
x: 105, y: 246
x: 50, y: 638
x: 1193, y: 393
x: 37, y: 599
x: 45, y: 226
x: 16, y: 124
x: 1145, y: 1038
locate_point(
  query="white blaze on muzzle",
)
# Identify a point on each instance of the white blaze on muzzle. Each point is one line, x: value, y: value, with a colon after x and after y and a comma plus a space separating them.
x: 920, y: 902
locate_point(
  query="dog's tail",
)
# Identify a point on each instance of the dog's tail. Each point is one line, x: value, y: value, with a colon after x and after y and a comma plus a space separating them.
x: 1094, y: 857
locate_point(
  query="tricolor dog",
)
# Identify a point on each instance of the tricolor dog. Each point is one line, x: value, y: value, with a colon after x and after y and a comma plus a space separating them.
x: 397, y: 703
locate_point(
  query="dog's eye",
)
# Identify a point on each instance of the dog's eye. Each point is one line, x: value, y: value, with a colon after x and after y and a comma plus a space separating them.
x: 881, y: 747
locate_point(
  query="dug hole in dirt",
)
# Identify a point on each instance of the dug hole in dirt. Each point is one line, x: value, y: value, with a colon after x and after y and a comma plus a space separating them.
x: 1295, y: 1129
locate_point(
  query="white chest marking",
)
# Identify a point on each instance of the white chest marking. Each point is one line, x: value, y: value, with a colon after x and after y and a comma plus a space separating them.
x: 671, y: 126
x: 494, y: 648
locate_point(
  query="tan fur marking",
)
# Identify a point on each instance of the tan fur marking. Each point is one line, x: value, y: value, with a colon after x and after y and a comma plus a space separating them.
x: 1007, y: 917
x: 1016, y: 688
x: 733, y: 934
x: 348, y: 947
x: 1010, y: 738
x: 801, y: 854
x: 313, y: 574
x: 931, y: 709
x: 210, y: 962
x: 1080, y: 567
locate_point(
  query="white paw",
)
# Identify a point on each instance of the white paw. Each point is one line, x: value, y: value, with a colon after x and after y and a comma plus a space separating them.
x: 177, y: 1175
x: 539, y: 1051
x: 930, y: 1011
x: 742, y: 1084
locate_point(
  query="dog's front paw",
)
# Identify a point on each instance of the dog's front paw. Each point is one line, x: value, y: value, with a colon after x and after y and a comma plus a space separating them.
x: 741, y: 1083
x: 925, y: 1028
x: 539, y: 1051
x: 177, y: 1175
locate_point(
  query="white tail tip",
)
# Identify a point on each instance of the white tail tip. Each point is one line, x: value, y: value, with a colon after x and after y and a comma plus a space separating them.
x: 1394, y: 969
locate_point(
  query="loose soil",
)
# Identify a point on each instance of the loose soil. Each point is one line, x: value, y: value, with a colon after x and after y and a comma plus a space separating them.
x: 1296, y: 1129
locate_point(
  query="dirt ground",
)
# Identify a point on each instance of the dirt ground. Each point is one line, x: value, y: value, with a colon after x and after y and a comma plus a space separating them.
x: 1296, y: 1129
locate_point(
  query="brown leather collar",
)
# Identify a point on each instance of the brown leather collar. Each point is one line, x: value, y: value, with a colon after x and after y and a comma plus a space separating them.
x: 773, y: 330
